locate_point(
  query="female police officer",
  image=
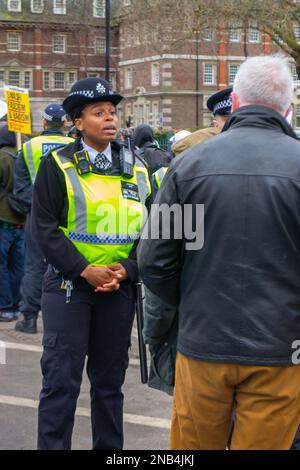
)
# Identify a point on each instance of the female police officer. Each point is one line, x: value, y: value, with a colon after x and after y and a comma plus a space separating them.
x: 88, y: 207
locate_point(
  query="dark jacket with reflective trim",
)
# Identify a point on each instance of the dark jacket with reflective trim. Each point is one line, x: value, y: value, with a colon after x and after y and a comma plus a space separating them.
x: 50, y: 210
x: 21, y: 197
x: 239, y: 296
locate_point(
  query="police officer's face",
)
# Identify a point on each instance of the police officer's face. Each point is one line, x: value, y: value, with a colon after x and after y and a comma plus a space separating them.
x: 219, y: 121
x: 98, y: 123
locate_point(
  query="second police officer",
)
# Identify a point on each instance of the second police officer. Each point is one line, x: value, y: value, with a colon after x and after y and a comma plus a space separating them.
x: 26, y: 167
x: 88, y: 207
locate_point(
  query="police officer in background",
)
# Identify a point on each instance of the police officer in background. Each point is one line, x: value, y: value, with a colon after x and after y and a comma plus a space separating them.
x: 220, y: 105
x: 88, y: 207
x: 26, y: 167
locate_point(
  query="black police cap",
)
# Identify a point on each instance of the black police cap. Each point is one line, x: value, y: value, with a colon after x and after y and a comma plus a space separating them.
x: 89, y: 90
x: 220, y: 102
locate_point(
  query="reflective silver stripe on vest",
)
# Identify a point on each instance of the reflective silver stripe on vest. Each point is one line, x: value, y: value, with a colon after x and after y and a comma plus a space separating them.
x: 79, y: 197
x: 143, y: 185
x: 29, y: 160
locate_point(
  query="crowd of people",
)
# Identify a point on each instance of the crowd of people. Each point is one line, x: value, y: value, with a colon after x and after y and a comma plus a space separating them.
x: 221, y: 319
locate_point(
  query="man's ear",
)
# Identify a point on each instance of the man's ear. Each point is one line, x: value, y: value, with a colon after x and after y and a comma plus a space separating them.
x: 235, y: 102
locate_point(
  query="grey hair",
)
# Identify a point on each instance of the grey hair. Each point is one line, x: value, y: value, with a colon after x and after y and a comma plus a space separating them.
x: 265, y: 80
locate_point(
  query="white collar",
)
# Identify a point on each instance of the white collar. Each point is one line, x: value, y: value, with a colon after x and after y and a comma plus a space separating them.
x: 93, y: 153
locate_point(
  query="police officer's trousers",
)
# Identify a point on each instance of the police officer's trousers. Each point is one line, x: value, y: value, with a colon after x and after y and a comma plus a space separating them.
x: 34, y: 270
x: 97, y: 325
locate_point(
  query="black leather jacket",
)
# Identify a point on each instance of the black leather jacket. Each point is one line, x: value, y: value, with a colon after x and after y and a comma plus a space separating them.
x: 238, y: 296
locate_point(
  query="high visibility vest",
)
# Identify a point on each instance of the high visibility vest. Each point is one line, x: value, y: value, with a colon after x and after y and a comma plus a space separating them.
x: 35, y: 148
x: 158, y: 176
x: 105, y: 213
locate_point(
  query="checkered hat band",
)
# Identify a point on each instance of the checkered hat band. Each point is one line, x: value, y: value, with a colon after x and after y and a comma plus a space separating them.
x: 85, y: 93
x: 103, y: 239
x: 223, y: 105
x: 51, y: 118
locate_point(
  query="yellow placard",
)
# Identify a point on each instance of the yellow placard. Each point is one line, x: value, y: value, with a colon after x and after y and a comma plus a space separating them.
x: 18, y: 109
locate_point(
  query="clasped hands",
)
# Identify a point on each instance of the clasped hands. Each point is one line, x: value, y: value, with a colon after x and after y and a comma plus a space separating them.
x: 105, y: 278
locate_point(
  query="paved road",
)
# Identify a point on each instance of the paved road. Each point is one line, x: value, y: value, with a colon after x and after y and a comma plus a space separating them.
x: 147, y: 411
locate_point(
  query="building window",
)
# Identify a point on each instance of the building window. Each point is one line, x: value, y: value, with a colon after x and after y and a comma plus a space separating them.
x: 294, y: 73
x: 2, y: 76
x: 209, y: 74
x: 99, y: 45
x: 13, y: 42
x: 59, y: 44
x: 46, y: 80
x: 71, y: 78
x: 155, y: 114
x: 234, y: 33
x: 128, y: 78
x: 232, y: 71
x: 14, y: 78
x: 155, y: 74
x: 59, y: 80
x: 207, y: 120
x: 59, y: 7
x: 98, y: 8
x: 253, y: 34
x: 297, y: 32
x: 27, y: 80
x: 298, y: 115
x: 112, y: 80
x: 14, y: 5
x: 207, y: 34
x: 37, y: 6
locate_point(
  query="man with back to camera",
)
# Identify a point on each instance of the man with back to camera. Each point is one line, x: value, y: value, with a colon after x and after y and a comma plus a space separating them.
x: 238, y: 295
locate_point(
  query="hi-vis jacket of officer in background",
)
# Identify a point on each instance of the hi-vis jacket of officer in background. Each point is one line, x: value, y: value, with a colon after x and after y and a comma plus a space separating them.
x: 86, y: 197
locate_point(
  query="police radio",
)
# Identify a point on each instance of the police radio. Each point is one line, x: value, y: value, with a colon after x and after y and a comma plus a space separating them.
x: 82, y: 162
x: 127, y: 159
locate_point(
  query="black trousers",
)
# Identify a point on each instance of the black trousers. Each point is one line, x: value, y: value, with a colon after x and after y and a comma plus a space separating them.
x: 34, y: 270
x: 97, y: 325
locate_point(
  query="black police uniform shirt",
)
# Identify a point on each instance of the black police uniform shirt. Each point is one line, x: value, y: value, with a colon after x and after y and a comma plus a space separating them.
x: 50, y: 210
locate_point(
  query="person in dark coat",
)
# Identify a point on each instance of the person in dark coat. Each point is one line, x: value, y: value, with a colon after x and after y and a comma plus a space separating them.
x: 11, y: 232
x: 233, y: 271
x: 147, y: 148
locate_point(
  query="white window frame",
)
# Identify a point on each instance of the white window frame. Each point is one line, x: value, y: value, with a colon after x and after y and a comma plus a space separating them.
x: 11, y: 7
x: 234, y: 34
x: 69, y: 81
x: 213, y: 74
x: 208, y: 37
x: 298, y: 115
x: 18, y: 42
x: 95, y: 9
x: 59, y: 7
x: 101, y: 46
x: 155, y: 74
x: 294, y: 73
x: 19, y: 83
x: 297, y: 32
x: 64, y: 76
x: 64, y: 43
x: 48, y: 79
x: 253, y: 35
x: 230, y: 66
x: 37, y: 9
x: 128, y: 78
x: 30, y: 79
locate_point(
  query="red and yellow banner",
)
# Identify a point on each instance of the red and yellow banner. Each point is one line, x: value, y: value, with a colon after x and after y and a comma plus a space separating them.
x: 18, y: 109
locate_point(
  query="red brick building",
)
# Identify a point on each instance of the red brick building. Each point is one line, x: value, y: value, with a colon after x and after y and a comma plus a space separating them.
x: 46, y: 45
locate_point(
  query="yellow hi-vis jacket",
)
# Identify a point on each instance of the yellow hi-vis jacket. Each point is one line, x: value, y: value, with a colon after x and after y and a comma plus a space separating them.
x: 105, y: 213
x: 35, y: 148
